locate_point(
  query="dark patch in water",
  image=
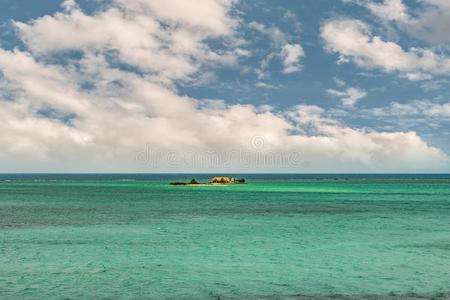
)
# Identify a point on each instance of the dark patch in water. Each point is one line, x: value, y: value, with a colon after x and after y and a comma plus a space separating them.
x: 437, y: 245
x: 412, y: 296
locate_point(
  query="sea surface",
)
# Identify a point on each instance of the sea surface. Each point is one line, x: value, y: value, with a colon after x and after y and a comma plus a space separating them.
x: 284, y: 236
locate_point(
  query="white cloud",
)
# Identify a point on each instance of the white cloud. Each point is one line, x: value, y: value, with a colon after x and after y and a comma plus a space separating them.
x: 416, y: 109
x: 209, y: 16
x: 292, y: 54
x: 353, y: 40
x: 137, y: 121
x: 418, y: 76
x: 266, y: 85
x: 276, y: 35
x: 393, y: 10
x: 133, y: 32
x: 428, y: 117
x: 333, y: 141
x: 69, y: 4
x: 434, y: 85
x: 350, y: 96
x: 429, y: 23
x: 339, y: 82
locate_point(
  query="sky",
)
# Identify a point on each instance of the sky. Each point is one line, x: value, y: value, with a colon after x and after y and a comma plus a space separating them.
x: 305, y: 86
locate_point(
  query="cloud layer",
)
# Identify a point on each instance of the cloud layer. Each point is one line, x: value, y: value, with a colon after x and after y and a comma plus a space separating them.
x: 353, y: 41
x: 430, y: 23
x: 95, y: 92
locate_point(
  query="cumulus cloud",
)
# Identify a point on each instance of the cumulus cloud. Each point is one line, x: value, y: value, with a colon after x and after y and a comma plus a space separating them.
x: 209, y: 16
x: 350, y: 96
x: 88, y: 113
x: 430, y: 23
x: 392, y: 10
x: 133, y: 33
x: 353, y: 41
x: 292, y: 54
x: 330, y: 138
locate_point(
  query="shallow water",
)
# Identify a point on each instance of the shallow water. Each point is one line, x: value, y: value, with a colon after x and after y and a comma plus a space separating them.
x: 279, y: 236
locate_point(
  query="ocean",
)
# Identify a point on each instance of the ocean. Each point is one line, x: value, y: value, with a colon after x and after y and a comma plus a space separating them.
x: 280, y: 236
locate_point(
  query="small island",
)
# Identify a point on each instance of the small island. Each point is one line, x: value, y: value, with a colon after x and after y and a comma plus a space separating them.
x: 218, y: 180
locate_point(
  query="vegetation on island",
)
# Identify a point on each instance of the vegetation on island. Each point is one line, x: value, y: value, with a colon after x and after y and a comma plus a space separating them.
x: 214, y: 181
x: 178, y: 183
x: 193, y: 181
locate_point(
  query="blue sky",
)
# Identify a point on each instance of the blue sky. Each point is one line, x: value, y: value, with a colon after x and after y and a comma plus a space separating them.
x: 366, y: 78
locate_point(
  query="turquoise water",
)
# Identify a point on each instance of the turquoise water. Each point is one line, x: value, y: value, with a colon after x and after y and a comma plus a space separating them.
x: 279, y: 236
